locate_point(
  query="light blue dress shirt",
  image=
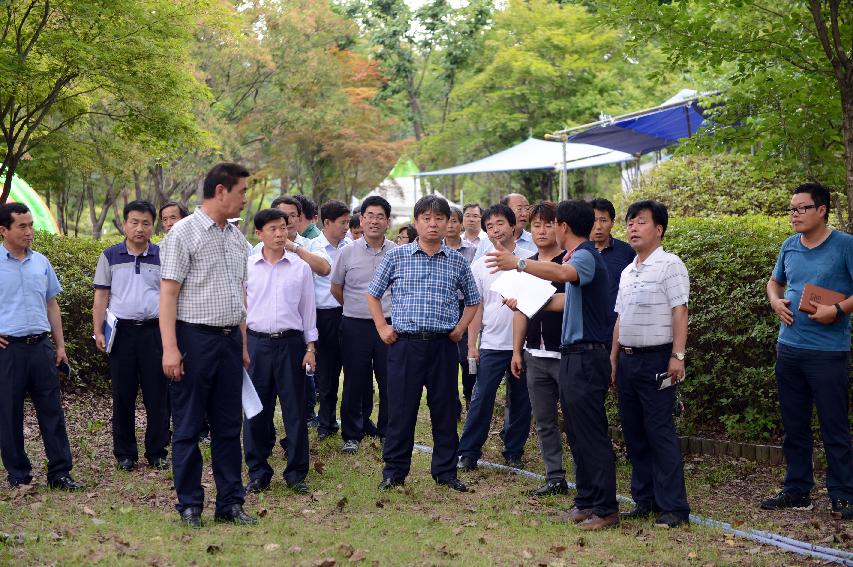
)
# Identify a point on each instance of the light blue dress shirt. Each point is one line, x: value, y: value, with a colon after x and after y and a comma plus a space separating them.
x: 25, y: 288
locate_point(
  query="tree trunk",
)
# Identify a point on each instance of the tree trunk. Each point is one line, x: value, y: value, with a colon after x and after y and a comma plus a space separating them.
x: 9, y: 171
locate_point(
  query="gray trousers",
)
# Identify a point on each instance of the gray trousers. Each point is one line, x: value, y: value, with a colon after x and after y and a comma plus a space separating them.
x: 543, y: 387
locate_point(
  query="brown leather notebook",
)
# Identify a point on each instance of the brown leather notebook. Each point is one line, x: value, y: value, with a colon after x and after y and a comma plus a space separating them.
x: 820, y: 295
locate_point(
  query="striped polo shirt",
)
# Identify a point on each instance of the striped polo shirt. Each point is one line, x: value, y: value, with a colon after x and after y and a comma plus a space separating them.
x: 133, y: 281
x: 648, y: 292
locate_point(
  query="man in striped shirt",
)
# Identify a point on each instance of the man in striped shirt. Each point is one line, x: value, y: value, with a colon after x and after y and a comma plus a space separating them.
x: 649, y: 339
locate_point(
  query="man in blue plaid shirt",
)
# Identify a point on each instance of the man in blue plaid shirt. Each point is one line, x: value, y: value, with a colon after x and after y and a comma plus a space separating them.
x: 424, y: 277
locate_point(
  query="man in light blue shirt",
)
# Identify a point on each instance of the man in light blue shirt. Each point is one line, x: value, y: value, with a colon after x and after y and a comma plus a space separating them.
x: 523, y: 239
x: 29, y: 363
x: 335, y: 217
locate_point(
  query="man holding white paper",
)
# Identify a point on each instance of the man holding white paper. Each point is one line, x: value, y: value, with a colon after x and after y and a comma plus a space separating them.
x: 281, y: 327
x: 584, y: 362
x: 494, y: 355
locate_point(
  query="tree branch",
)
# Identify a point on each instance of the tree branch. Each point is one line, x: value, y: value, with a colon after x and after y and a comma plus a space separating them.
x: 41, y: 25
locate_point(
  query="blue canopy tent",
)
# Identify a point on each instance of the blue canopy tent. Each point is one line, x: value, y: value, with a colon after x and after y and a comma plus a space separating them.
x: 648, y: 130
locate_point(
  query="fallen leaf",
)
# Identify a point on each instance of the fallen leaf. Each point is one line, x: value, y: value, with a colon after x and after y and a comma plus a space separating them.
x: 98, y: 521
x: 526, y: 554
x: 327, y: 562
x: 346, y: 549
x: 359, y: 555
x: 319, y: 466
x: 457, y: 531
x: 341, y: 503
x: 271, y: 547
x: 214, y: 548
x: 294, y: 549
x: 558, y: 549
x: 263, y: 513
x: 482, y: 540
x: 88, y: 511
x: 692, y: 555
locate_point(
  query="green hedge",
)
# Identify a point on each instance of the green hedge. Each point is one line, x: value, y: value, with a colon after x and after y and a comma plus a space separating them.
x: 74, y: 260
x: 732, y: 331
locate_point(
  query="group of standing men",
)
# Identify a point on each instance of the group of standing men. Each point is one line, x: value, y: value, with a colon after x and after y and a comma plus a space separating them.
x: 412, y: 316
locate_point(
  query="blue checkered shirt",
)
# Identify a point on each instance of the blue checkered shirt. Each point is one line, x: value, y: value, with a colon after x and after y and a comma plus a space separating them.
x: 423, y: 288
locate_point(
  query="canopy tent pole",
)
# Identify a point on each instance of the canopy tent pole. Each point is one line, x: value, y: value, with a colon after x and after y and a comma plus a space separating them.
x: 564, y: 179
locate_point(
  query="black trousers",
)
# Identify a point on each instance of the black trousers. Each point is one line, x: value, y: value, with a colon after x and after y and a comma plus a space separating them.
x: 468, y: 379
x: 412, y: 365
x: 136, y: 362
x: 329, y: 365
x: 657, y: 478
x: 364, y: 355
x: 30, y: 369
x: 584, y: 381
x: 212, y: 386
x: 276, y: 372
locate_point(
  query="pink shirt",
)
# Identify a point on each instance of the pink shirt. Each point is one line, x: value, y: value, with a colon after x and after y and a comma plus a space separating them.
x: 280, y: 296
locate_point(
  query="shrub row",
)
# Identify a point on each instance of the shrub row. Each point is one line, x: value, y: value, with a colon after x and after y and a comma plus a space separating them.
x: 730, y: 387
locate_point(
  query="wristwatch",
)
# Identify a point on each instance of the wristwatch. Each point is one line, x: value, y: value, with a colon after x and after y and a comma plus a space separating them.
x: 678, y: 355
x: 522, y: 264
x: 839, y: 312
x: 296, y: 246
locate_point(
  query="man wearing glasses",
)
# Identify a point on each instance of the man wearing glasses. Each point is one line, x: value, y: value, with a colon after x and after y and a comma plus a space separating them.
x: 474, y: 233
x: 523, y: 239
x: 362, y: 350
x: 813, y: 352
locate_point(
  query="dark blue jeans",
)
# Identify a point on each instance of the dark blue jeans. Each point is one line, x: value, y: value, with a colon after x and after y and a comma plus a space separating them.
x: 212, y: 385
x: 820, y: 378
x: 657, y: 478
x: 276, y: 373
x: 493, y: 365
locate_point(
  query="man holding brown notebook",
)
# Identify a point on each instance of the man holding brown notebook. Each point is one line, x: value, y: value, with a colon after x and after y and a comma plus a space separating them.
x: 811, y: 291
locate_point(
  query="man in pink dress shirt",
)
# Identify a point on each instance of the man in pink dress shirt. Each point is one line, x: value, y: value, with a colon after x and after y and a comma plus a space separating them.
x: 281, y: 323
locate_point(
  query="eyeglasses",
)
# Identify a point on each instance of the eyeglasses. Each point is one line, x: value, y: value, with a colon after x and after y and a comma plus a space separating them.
x: 800, y: 210
x: 373, y: 217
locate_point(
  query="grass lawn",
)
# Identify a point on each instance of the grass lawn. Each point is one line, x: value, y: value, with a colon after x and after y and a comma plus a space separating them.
x: 129, y: 518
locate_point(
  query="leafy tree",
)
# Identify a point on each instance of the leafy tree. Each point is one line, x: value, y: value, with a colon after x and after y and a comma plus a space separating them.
x: 786, y: 69
x: 57, y: 57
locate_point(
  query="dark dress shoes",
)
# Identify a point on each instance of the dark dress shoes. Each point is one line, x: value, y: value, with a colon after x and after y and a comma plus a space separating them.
x: 550, y: 488
x: 65, y: 483
x: 299, y: 487
x: 578, y: 515
x: 670, y: 520
x: 514, y: 462
x: 191, y: 517
x: 638, y: 513
x: 453, y: 484
x: 467, y: 463
x: 389, y: 483
x: 257, y: 485
x: 160, y: 463
x: 126, y: 464
x: 234, y: 514
x: 13, y: 482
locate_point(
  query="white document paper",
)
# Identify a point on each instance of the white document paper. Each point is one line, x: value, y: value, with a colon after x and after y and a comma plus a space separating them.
x: 531, y: 292
x: 251, y: 402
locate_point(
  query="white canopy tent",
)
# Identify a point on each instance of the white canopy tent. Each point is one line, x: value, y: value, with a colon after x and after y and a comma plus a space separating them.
x: 402, y: 193
x: 538, y: 154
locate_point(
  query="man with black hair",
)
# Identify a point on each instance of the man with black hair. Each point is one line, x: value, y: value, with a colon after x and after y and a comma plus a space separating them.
x: 171, y: 213
x: 363, y: 352
x: 649, y: 340
x: 355, y: 230
x: 615, y: 253
x: 494, y: 355
x: 521, y: 209
x: 335, y: 217
x: 29, y: 314
x: 127, y: 282
x: 472, y: 215
x: 536, y: 351
x: 813, y: 352
x: 424, y: 277
x: 308, y: 217
x: 202, y: 324
x: 584, y: 363
x: 281, y: 329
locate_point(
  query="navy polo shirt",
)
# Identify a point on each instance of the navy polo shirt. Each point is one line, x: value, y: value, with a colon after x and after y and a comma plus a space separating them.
x: 586, y: 314
x: 25, y: 288
x: 617, y: 255
x: 133, y: 281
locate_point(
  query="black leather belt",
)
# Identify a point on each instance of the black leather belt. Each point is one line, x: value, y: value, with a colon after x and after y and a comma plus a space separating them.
x: 142, y: 323
x: 279, y: 335
x: 226, y: 331
x: 581, y: 347
x: 423, y: 336
x: 642, y: 350
x: 28, y: 339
